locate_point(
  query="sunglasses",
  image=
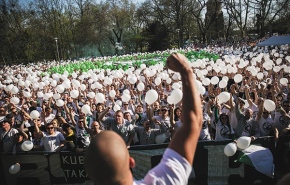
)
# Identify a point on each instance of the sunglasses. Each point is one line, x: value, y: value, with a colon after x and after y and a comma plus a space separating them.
x: 224, y: 118
x: 37, y: 119
x: 1, y: 110
x: 163, y: 110
x: 266, y: 113
x: 50, y: 128
x: 81, y: 121
x: 126, y: 104
x: 95, y: 125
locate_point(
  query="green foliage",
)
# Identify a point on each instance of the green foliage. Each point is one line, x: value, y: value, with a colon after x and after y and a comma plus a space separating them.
x: 148, y: 60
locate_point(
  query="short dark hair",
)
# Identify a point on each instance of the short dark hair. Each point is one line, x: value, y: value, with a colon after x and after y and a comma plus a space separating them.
x: 119, y: 111
x: 48, y: 124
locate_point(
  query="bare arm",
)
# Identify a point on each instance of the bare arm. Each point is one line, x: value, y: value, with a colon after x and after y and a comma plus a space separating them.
x: 248, y: 97
x: 185, y: 139
x: 261, y: 108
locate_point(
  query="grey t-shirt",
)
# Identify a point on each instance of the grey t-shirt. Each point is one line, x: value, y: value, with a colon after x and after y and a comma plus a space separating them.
x: 124, y: 130
x: 8, y: 140
x: 147, y: 138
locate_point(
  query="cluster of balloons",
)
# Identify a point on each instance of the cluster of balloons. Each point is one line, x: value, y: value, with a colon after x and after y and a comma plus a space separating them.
x: 242, y: 143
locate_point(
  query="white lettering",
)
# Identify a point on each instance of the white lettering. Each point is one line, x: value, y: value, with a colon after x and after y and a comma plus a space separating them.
x: 71, y: 159
x: 73, y: 174
x: 81, y: 159
x: 64, y: 161
x: 81, y: 173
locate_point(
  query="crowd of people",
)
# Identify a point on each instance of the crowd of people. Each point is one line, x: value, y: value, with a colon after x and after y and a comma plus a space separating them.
x: 67, y: 128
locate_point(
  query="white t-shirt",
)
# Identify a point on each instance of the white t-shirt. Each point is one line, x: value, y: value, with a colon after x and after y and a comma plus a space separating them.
x: 248, y: 128
x: 265, y: 126
x: 223, y: 131
x: 204, y: 132
x: 49, y: 118
x: 51, y: 142
x: 255, y: 110
x: 172, y: 169
x: 281, y: 122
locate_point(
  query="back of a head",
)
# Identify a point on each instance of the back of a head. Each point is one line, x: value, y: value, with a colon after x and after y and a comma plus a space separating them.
x: 107, y: 159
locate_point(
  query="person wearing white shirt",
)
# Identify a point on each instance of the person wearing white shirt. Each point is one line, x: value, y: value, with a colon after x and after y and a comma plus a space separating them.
x: 52, y: 141
x: 266, y: 124
x: 282, y: 117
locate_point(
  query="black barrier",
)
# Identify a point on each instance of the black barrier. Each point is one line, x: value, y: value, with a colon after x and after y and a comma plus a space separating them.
x: 210, y: 165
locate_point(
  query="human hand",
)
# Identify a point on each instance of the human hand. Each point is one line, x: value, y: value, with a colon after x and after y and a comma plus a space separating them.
x: 177, y: 62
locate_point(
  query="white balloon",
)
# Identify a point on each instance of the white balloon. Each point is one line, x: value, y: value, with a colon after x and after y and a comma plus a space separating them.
x: 175, y: 76
x: 81, y: 77
x: 76, y: 84
x: 225, y: 78
x: 119, y: 102
x: 284, y: 81
x: 201, y: 90
x: 26, y: 94
x: 151, y: 97
x: 60, y: 89
x: 175, y: 85
x: 86, y: 109
x: 143, y: 66
x: 260, y: 75
x: 157, y: 81
x: 140, y: 86
x: 100, y: 97
x: 66, y: 84
x: 238, y: 78
x: 56, y: 96
x: 14, y: 90
x: 125, y: 97
x: 46, y: 82
x: 53, y: 83
x: 112, y: 93
x: 126, y: 91
x: 214, y: 80
x: 74, y: 93
x: 27, y: 145
x: 170, y: 100
x: 40, y: 94
x: 41, y: 85
x: 243, y: 142
x: 223, y: 84
x: 59, y: 103
x: 269, y: 105
x: 83, y: 87
x: 91, y: 94
x: 206, y: 81
x: 34, y: 114
x: 46, y: 96
x: 15, y: 168
x: 230, y: 149
x: 14, y: 100
x: 74, y: 75
x: 168, y: 80
x: 133, y: 80
x: 116, y: 107
x: 176, y: 96
x: 224, y: 97
x: 276, y: 69
x: 160, y: 139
